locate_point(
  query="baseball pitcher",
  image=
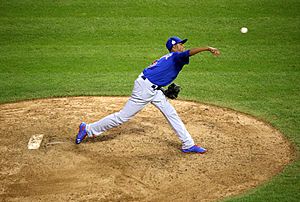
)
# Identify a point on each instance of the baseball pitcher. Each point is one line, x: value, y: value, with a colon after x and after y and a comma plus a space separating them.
x: 148, y: 88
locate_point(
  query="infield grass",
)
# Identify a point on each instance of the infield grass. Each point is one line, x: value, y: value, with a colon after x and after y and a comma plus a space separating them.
x: 84, y: 47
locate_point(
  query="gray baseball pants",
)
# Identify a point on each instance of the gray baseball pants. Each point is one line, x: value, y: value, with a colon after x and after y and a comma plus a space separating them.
x: 143, y: 93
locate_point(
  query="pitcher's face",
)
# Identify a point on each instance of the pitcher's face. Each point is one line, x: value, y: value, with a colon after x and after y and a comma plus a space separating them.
x: 178, y: 47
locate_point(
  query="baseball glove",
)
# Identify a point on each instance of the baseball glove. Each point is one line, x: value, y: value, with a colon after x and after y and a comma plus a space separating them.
x: 172, y: 91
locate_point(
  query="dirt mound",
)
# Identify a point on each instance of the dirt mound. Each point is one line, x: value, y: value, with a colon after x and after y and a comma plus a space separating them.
x: 138, y: 161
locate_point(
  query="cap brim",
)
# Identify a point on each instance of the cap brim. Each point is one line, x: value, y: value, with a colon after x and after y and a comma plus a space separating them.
x: 183, y: 41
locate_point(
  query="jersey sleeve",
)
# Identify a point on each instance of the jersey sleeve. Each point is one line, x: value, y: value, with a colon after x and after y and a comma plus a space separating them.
x: 183, y: 57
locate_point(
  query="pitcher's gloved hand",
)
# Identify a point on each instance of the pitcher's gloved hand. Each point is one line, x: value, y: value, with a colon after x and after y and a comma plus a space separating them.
x: 172, y: 91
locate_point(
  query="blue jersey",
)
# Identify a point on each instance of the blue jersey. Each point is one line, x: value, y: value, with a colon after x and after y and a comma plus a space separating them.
x: 165, y: 70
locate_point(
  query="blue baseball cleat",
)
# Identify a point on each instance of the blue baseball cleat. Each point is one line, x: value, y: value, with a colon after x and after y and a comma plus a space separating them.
x: 82, y: 133
x: 194, y: 149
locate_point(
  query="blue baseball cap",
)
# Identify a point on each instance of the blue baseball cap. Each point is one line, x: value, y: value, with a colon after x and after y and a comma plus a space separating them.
x: 173, y: 41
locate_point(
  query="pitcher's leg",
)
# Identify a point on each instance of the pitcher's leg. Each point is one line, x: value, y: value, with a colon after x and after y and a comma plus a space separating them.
x: 174, y: 120
x: 116, y: 119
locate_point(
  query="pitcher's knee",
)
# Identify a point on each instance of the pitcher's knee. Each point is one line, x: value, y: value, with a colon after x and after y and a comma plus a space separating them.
x: 171, y: 113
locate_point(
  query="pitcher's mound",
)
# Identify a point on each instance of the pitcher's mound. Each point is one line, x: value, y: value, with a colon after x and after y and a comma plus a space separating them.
x: 138, y: 161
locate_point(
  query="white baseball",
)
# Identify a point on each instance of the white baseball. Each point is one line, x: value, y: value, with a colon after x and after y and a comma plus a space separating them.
x: 244, y: 30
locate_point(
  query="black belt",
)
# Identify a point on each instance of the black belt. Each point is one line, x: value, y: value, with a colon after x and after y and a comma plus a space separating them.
x: 155, y: 87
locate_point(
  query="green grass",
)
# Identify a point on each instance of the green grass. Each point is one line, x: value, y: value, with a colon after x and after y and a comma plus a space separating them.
x: 83, y: 47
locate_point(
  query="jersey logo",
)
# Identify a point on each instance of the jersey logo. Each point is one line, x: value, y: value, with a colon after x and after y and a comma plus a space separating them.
x: 156, y: 61
x: 167, y: 56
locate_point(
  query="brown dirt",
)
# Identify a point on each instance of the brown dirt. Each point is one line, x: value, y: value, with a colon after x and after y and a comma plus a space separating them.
x: 138, y: 161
